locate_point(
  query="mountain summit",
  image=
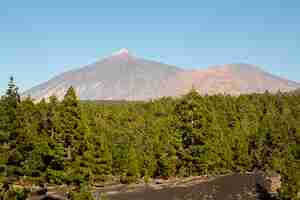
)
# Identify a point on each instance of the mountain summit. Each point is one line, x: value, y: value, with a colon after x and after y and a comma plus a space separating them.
x: 122, y: 52
x: 123, y: 76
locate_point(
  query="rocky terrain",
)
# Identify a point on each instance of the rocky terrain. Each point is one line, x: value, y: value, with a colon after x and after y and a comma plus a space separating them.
x: 230, y: 187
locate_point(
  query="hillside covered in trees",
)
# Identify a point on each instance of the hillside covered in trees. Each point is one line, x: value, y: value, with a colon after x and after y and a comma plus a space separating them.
x: 75, y: 143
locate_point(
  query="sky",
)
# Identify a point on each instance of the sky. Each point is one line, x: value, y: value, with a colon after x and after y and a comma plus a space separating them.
x: 41, y: 39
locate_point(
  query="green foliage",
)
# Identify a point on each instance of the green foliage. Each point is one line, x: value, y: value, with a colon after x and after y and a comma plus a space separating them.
x: 56, y: 176
x: 73, y: 142
x: 72, y: 128
x: 291, y: 181
x: 8, y: 106
x: 83, y: 193
x: 7, y: 192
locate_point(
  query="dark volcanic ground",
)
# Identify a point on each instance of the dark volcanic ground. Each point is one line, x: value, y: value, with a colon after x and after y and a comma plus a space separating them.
x: 229, y: 187
x: 232, y: 187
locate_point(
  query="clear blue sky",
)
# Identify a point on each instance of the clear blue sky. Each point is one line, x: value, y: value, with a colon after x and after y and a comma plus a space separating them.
x: 40, y: 39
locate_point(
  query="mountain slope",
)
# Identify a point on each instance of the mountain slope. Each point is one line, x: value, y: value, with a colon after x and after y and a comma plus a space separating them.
x: 232, y: 79
x: 126, y: 77
x: 120, y: 76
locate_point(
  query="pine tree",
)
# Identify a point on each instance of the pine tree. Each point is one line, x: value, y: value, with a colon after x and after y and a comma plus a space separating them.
x: 71, y: 125
x: 12, y: 95
x: 28, y: 141
x: 9, y: 103
x: 8, y: 114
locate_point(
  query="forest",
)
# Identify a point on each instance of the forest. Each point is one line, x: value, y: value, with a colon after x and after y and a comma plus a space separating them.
x: 81, y: 143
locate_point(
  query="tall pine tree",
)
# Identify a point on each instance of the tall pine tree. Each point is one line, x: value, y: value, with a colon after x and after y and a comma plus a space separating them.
x: 72, y: 126
x: 9, y: 103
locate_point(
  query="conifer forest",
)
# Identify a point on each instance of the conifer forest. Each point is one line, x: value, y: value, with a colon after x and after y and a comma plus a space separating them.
x: 78, y: 143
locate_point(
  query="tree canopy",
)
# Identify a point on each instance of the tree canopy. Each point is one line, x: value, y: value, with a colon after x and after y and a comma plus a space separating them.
x: 76, y: 142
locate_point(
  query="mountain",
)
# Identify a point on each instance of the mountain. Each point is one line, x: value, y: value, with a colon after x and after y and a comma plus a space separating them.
x: 233, y: 79
x: 123, y: 76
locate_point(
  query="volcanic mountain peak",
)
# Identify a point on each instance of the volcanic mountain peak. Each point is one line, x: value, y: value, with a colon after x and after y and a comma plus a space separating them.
x: 123, y: 51
x: 122, y: 54
x: 122, y: 76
